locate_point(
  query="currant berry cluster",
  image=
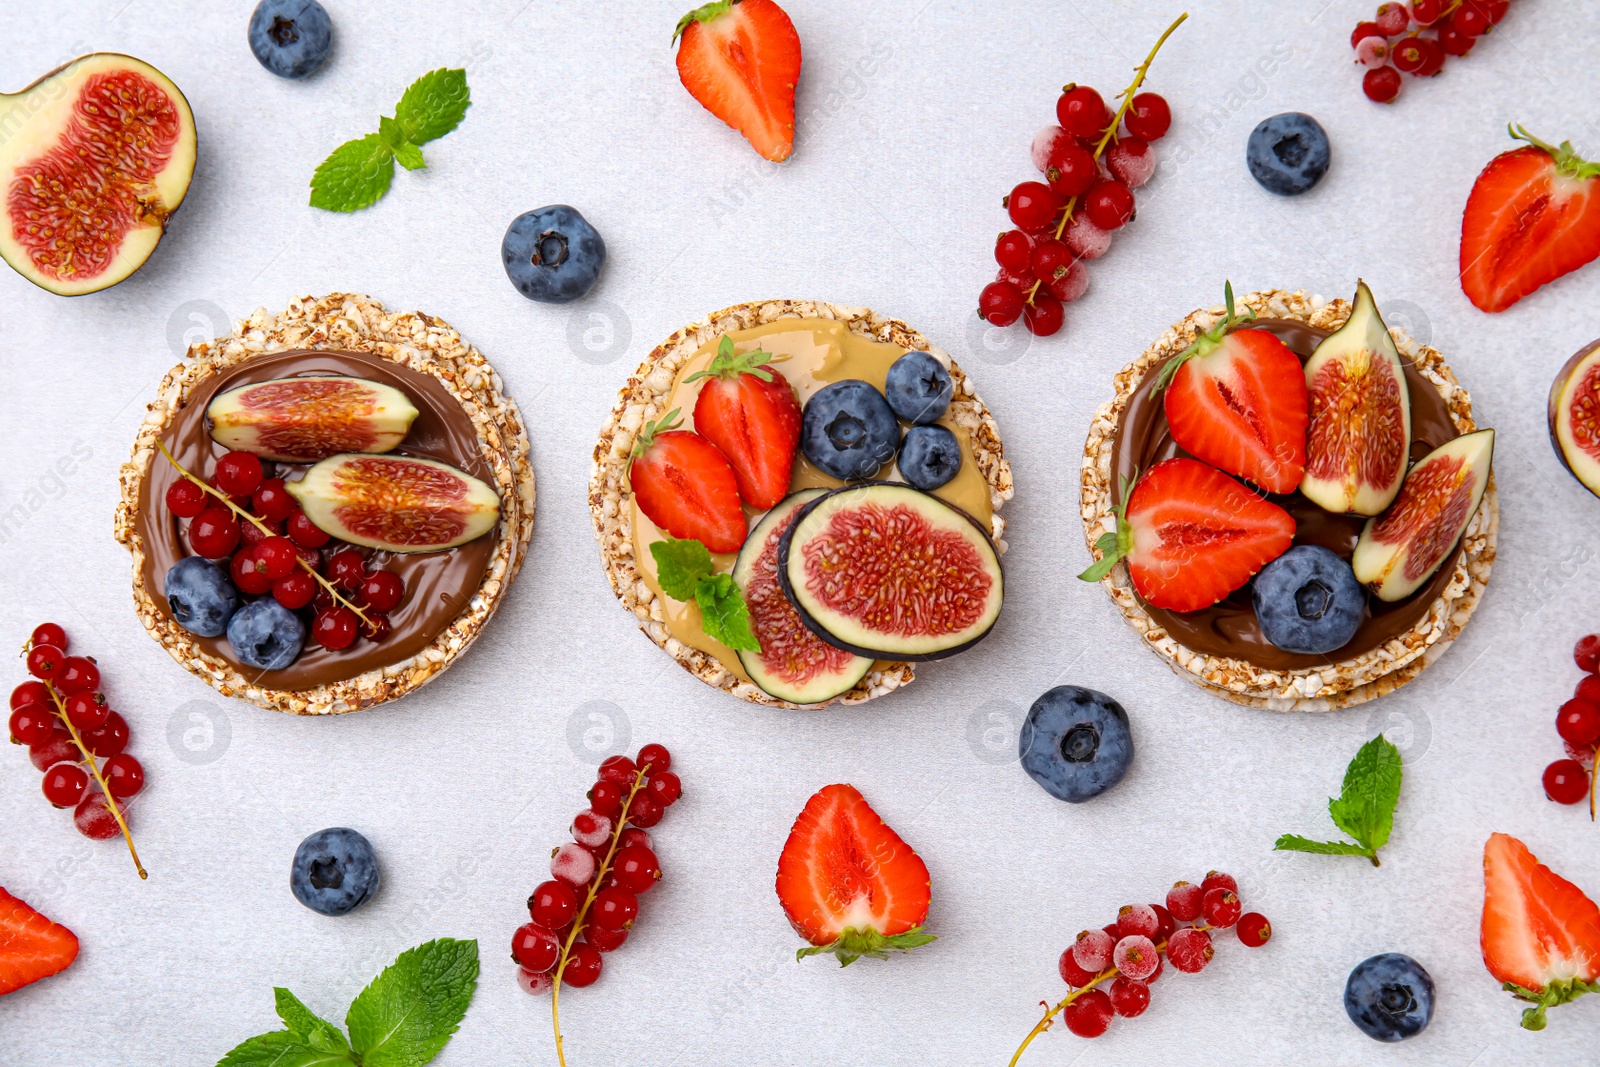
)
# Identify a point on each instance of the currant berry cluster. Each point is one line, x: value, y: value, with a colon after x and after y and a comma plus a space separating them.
x: 64, y: 719
x: 247, y: 513
x: 591, y: 902
x: 1091, y: 162
x: 1416, y: 38
x: 1111, y: 969
x: 1567, y: 781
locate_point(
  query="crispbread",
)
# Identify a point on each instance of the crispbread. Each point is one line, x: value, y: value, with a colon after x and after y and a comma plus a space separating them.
x: 1336, y: 685
x: 346, y: 321
x: 640, y: 401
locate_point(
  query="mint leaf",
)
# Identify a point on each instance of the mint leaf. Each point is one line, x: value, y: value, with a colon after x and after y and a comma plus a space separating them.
x: 1365, y: 806
x: 408, y: 1013
x: 306, y: 1024
x: 355, y: 176
x: 680, y: 564
x: 280, y: 1049
x: 409, y: 156
x: 723, y: 613
x: 434, y: 105
x: 1296, y: 843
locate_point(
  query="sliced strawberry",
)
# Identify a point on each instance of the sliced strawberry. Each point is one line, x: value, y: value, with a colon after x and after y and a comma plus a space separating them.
x: 1238, y: 401
x: 1540, y: 934
x: 685, y: 486
x: 741, y: 60
x: 1192, y: 535
x: 1533, y: 215
x: 848, y: 883
x: 31, y: 946
x: 749, y: 411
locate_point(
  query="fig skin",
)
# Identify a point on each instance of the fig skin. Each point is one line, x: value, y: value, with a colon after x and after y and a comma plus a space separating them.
x: 1590, y: 354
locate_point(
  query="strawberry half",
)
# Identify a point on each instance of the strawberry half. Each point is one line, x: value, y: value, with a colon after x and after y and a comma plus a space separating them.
x: 1540, y: 934
x: 1191, y: 535
x: 31, y: 946
x: 741, y: 60
x: 1533, y: 216
x: 749, y: 411
x: 848, y: 883
x: 685, y: 486
x: 1237, y: 400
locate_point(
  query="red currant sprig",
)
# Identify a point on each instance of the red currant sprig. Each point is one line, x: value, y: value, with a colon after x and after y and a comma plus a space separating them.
x: 1567, y: 781
x: 1417, y: 39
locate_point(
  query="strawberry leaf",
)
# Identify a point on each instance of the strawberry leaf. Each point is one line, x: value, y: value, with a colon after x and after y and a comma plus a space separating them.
x: 728, y: 366
x: 854, y: 942
x: 704, y: 13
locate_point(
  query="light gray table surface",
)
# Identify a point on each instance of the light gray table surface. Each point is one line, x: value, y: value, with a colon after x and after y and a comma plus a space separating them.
x: 916, y: 117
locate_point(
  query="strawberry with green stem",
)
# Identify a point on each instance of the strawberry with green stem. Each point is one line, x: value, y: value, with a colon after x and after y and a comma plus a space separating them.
x: 749, y: 411
x: 685, y: 485
x: 1540, y: 934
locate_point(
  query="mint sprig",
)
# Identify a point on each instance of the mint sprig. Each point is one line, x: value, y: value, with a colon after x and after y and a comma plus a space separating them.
x: 684, y: 572
x: 403, y: 1018
x: 1364, y: 808
x: 359, y: 172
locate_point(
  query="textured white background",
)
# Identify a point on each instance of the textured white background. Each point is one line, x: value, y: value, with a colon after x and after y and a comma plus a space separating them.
x: 916, y: 118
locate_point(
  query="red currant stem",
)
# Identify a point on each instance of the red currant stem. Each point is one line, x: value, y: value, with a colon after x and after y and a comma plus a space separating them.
x: 262, y: 526
x: 105, y: 790
x: 583, y: 911
x: 1594, y: 779
x: 1110, y: 133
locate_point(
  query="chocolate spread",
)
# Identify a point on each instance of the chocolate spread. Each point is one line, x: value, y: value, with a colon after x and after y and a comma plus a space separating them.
x: 1229, y: 628
x: 439, y: 585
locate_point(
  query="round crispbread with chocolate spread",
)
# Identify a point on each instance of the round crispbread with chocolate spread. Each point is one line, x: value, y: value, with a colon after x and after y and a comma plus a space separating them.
x: 1332, y: 684
x: 349, y: 323
x: 642, y: 400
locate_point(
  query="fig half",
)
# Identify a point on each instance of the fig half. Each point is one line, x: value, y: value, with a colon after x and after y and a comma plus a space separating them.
x: 302, y: 420
x: 1575, y: 416
x: 1402, y: 548
x: 882, y: 569
x: 396, y: 503
x: 1360, y: 429
x: 95, y: 156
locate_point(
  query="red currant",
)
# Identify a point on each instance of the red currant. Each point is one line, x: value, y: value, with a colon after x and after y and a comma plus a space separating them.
x: 1565, y: 781
x: 1012, y: 249
x: 1109, y: 204
x: 664, y: 788
x: 276, y: 556
x: 553, y: 904
x: 1392, y: 18
x: 377, y: 627
x: 124, y: 775
x: 238, y: 474
x: 1148, y: 117
x: 31, y: 724
x: 1044, y: 315
x: 1221, y: 907
x: 1586, y: 653
x: 645, y: 810
x: 1090, y: 1014
x: 1093, y: 949
x: 88, y: 711
x: 304, y: 532
x: 251, y: 535
x: 1493, y: 10
x: 1051, y: 259
x: 1578, y: 721
x: 77, y: 674
x: 573, y: 864
x: 655, y: 757
x: 1023, y: 282
x: 1135, y: 956
x: 347, y: 569
x: 272, y: 501
x: 618, y: 769
x: 248, y: 573
x: 1453, y: 40
x: 636, y: 868
x: 65, y: 784
x: 214, y: 533
x: 56, y: 748
x: 30, y: 692
x: 1082, y: 112
x: 591, y: 829
x: 1165, y: 923
x: 1420, y: 56
x: 1137, y: 919
x: 93, y: 816
x: 110, y: 738
x: 1218, y: 880
x: 382, y: 590
x: 1183, y: 901
x: 1381, y: 84
x: 1071, y: 285
x: 1362, y: 31
x: 534, y: 982
x: 185, y: 499
x: 1129, y: 997
x: 1427, y: 12
x: 1189, y: 949
x: 583, y: 965
x: 1071, y: 169
x: 48, y: 633
x: 632, y: 835
x: 1072, y: 974
x: 1471, y: 21
x: 535, y: 948
x: 606, y: 798
x: 294, y: 591
x: 614, y: 909
x: 1000, y: 304
x: 309, y: 556
x: 44, y: 662
x: 1254, y: 929
x: 1033, y: 205
x: 605, y: 940
x: 334, y: 628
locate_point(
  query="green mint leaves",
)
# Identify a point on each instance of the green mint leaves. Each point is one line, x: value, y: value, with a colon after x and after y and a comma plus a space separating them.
x: 684, y: 572
x: 1364, y: 808
x: 359, y: 172
x: 855, y: 942
x: 402, y: 1019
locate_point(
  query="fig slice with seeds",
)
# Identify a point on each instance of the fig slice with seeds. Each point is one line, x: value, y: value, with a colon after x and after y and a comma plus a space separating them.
x: 396, y: 503
x: 1575, y: 416
x: 1360, y: 429
x: 1402, y: 548
x: 303, y: 420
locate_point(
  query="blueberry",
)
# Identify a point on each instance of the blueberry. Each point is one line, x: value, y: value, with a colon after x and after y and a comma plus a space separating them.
x: 266, y: 635
x: 552, y: 254
x: 1390, y: 997
x: 334, y: 871
x: 1075, y: 743
x: 918, y: 388
x: 929, y: 457
x: 201, y: 596
x: 1288, y: 153
x: 291, y: 38
x: 848, y: 430
x: 1308, y: 600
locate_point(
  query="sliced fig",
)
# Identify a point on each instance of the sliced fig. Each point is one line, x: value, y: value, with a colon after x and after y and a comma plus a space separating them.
x: 95, y: 157
x: 793, y: 664
x: 1402, y: 548
x: 302, y: 420
x: 882, y: 569
x: 396, y: 503
x: 1575, y: 416
x: 1360, y: 429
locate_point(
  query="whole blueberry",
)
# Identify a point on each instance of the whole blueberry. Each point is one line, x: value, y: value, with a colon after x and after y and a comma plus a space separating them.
x: 552, y: 254
x: 1075, y: 743
x: 1288, y: 153
x: 291, y: 38
x: 1390, y: 997
x: 848, y: 430
x: 918, y: 388
x: 1308, y: 600
x: 201, y: 595
x: 266, y: 635
x: 929, y: 457
x: 334, y: 871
